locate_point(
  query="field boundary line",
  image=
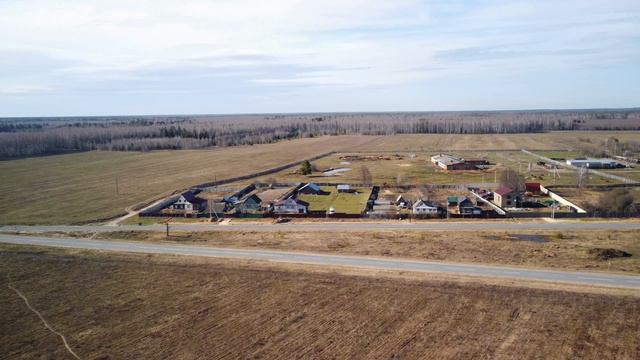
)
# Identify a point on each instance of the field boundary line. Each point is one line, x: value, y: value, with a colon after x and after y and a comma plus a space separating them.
x: 44, y: 321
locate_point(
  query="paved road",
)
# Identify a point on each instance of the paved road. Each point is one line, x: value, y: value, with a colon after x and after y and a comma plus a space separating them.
x: 581, y: 278
x: 575, y: 168
x: 347, y: 226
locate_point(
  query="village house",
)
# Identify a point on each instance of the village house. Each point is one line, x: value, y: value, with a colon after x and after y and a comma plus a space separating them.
x: 506, y: 197
x: 290, y: 206
x: 422, y: 207
x: 467, y: 207
x: 248, y: 204
x: 187, y: 204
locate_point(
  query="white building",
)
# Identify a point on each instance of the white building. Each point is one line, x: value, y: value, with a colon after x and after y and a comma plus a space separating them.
x: 186, y: 204
x: 421, y: 207
x: 343, y: 188
x: 593, y: 163
x: 290, y: 206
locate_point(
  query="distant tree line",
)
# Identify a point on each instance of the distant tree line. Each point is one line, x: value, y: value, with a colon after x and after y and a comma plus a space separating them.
x: 21, y: 137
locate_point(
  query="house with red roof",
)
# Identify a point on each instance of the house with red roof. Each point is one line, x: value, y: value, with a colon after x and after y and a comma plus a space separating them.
x: 506, y: 197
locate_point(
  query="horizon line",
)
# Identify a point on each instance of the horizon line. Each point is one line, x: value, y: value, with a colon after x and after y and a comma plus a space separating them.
x: 615, y: 109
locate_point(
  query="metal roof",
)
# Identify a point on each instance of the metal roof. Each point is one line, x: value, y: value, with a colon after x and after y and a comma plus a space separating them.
x: 311, y: 186
x: 503, y: 190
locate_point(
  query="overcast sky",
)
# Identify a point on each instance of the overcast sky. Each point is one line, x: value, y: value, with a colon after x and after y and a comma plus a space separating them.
x: 110, y: 57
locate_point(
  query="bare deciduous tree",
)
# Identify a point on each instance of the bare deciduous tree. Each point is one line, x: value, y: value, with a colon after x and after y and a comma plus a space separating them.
x: 43, y: 136
x: 365, y: 176
x: 512, y: 179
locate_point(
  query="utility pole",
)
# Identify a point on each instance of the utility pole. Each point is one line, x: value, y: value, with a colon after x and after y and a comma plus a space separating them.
x: 117, y: 187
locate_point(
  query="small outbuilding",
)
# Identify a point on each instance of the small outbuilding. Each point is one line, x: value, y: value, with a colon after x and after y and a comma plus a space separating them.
x: 343, y: 188
x: 401, y: 203
x: 532, y: 187
x: 310, y: 189
x: 452, y: 201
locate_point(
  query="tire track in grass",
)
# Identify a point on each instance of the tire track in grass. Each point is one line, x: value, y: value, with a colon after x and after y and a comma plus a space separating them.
x: 44, y: 321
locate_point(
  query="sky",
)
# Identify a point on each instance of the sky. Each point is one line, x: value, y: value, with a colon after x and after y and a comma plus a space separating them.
x: 119, y: 57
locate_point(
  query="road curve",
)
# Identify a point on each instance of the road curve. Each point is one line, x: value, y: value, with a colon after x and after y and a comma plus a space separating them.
x: 524, y: 274
x: 344, y: 226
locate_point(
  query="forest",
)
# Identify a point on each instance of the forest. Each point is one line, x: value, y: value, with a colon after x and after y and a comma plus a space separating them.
x: 24, y: 137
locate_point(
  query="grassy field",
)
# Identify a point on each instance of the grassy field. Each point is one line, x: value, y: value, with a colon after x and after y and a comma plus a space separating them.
x: 556, y: 140
x: 632, y: 173
x: 418, y: 169
x: 345, y: 203
x: 559, y: 250
x: 158, y: 307
x: 520, y: 161
x: 82, y: 187
x: 404, y: 170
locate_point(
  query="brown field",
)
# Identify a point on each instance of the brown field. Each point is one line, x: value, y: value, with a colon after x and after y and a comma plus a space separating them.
x: 82, y: 187
x: 554, y: 140
x: 560, y: 250
x: 157, y: 307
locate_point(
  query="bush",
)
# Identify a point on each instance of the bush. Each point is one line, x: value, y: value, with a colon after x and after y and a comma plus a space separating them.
x: 305, y: 168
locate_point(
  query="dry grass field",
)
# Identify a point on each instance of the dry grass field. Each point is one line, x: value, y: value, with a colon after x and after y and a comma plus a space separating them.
x: 590, y: 198
x: 559, y: 250
x: 555, y: 140
x: 154, y: 307
x: 82, y: 187
x: 402, y: 169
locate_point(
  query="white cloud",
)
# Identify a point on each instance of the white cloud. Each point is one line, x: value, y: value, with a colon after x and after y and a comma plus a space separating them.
x: 354, y: 43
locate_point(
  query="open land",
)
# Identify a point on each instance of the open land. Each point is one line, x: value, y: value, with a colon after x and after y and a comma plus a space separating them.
x: 416, y: 168
x: 352, y: 202
x: 591, y: 197
x: 92, y: 186
x: 554, y: 140
x: 82, y: 187
x: 399, y: 169
x: 565, y: 250
x: 574, y: 250
x: 115, y: 306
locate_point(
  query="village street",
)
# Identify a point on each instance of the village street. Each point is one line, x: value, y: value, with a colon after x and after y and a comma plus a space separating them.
x: 524, y: 274
x: 343, y: 226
